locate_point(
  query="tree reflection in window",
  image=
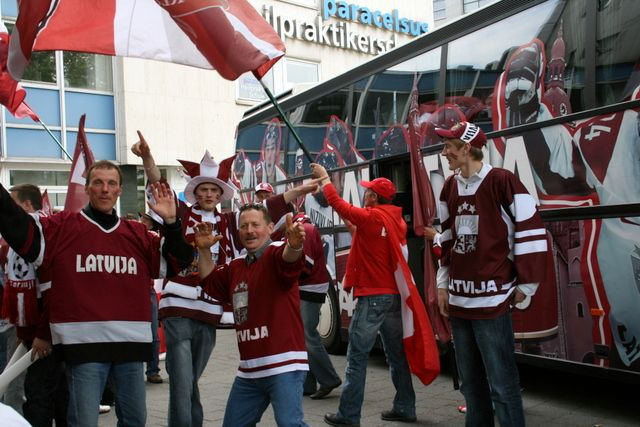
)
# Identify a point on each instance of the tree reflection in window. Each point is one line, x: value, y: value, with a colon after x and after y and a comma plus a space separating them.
x: 87, y: 71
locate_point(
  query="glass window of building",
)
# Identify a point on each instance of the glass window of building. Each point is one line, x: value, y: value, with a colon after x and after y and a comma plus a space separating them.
x: 87, y: 71
x: 298, y: 71
x: 471, y: 5
x: 439, y: 10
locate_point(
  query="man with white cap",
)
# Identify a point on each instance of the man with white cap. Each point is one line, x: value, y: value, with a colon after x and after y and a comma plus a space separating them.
x: 370, y: 272
x: 493, y: 255
x: 264, y: 190
x: 190, y: 316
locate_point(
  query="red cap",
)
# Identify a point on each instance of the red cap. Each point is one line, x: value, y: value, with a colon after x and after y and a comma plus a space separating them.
x: 465, y: 132
x: 263, y: 186
x: 381, y: 186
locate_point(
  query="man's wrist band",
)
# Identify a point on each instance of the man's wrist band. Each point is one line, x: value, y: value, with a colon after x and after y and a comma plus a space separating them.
x: 294, y: 249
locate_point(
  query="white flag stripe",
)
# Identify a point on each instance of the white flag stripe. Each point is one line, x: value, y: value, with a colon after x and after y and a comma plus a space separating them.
x: 407, y: 315
x: 274, y: 371
x: 527, y: 233
x: 479, y: 302
x: 273, y: 359
x: 101, y: 332
x: 267, y: 49
x: 142, y: 29
x: 198, y: 305
x: 530, y: 247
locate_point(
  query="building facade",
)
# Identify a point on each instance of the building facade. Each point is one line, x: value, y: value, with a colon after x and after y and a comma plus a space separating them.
x: 182, y: 110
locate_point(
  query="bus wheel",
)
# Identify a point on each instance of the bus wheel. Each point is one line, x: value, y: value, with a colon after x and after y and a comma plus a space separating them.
x: 329, y: 323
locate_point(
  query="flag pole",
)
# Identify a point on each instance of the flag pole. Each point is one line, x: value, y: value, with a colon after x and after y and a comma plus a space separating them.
x: 55, y: 139
x: 274, y: 101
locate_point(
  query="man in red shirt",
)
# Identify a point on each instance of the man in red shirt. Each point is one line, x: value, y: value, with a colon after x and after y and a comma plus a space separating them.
x: 370, y: 272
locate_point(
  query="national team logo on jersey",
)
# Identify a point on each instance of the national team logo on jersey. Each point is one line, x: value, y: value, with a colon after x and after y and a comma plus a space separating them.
x: 466, y: 229
x: 241, y: 303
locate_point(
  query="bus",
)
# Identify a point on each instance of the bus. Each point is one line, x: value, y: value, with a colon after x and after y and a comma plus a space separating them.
x: 555, y: 85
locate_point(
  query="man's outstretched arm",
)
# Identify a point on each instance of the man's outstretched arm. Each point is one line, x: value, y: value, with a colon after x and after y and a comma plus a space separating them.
x: 18, y: 228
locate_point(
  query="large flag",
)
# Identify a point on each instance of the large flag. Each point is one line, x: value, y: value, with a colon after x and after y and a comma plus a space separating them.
x: 424, y: 211
x: 77, y: 198
x: 226, y: 35
x: 417, y: 334
x: 11, y: 93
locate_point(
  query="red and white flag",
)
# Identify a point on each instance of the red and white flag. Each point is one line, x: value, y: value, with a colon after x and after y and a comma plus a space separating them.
x: 420, y: 346
x: 424, y: 211
x: 226, y: 35
x: 77, y: 198
x: 11, y: 93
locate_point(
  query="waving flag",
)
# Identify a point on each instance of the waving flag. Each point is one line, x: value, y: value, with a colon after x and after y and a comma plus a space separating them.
x: 424, y: 211
x: 417, y: 335
x: 82, y: 159
x: 11, y: 93
x: 226, y: 35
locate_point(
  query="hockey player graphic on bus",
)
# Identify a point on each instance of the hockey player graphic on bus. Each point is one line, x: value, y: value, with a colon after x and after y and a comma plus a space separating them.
x: 591, y: 161
x: 269, y: 167
x: 339, y: 136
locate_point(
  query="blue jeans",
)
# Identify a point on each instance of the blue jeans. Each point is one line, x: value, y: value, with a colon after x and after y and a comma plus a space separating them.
x: 152, y: 364
x: 320, y: 368
x: 488, y: 371
x: 86, y: 382
x: 372, y: 314
x: 250, y: 397
x: 189, y: 346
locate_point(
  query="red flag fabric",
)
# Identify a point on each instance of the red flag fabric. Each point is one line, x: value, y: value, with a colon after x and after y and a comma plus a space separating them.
x: 226, y: 35
x: 77, y: 198
x: 417, y: 334
x: 424, y: 211
x: 11, y: 93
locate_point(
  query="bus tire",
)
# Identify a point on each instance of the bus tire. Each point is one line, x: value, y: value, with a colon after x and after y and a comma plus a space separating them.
x: 329, y: 323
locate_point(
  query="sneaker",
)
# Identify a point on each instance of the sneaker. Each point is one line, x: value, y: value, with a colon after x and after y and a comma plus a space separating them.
x: 103, y: 409
x: 162, y: 356
x: 392, y: 415
x: 154, y: 379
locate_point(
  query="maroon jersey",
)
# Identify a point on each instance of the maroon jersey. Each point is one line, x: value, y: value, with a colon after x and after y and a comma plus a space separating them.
x: 266, y: 309
x: 99, y: 300
x: 314, y: 280
x: 493, y: 239
x: 180, y: 297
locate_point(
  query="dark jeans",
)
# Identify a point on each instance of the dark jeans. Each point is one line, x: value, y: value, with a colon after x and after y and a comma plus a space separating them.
x: 488, y: 371
x: 45, y: 388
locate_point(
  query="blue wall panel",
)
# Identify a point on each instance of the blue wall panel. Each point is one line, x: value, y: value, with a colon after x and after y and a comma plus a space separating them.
x: 32, y: 143
x: 45, y: 103
x: 102, y: 145
x: 9, y: 7
x: 99, y: 110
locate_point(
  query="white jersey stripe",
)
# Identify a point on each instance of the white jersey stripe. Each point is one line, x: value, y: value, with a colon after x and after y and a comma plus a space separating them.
x: 273, y: 359
x: 101, y: 332
x: 274, y: 371
x: 198, y: 305
x: 527, y: 233
x: 479, y: 302
x: 184, y: 291
x: 530, y: 247
x: 320, y: 288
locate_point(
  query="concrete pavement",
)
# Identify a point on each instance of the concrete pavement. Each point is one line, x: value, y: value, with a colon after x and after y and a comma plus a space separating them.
x: 550, y: 399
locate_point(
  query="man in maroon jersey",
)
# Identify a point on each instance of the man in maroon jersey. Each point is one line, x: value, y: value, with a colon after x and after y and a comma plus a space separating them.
x: 370, y: 272
x: 100, y: 267
x: 189, y: 319
x: 493, y: 255
x: 24, y: 304
x: 262, y: 287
